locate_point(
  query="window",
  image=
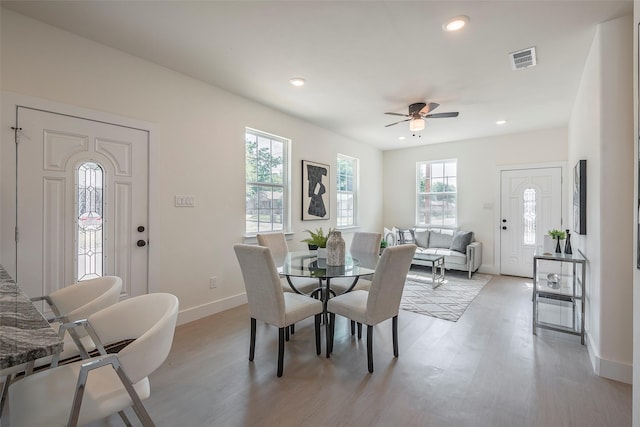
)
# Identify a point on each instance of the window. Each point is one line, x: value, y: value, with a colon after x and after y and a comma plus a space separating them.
x: 347, y: 187
x: 266, y: 166
x: 89, y: 226
x: 437, y: 196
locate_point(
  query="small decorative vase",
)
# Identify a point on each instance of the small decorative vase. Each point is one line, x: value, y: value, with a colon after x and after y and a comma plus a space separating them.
x: 322, y: 252
x: 567, y: 244
x: 558, y: 247
x: 335, y: 249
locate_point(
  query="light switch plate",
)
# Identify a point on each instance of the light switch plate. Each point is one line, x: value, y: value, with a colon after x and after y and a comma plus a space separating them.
x: 185, y: 201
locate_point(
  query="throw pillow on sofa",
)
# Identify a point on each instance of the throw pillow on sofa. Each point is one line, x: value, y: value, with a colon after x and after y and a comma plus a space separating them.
x: 422, y: 238
x: 461, y: 240
x: 440, y: 240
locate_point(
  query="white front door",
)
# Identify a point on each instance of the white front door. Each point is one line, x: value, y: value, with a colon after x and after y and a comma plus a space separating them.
x: 531, y: 205
x: 82, y: 202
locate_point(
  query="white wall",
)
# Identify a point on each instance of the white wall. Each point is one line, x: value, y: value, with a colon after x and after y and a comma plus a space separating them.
x: 636, y: 272
x: 601, y: 131
x: 197, y: 148
x: 479, y: 161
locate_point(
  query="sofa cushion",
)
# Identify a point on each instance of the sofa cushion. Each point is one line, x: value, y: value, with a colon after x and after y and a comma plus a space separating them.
x: 440, y: 240
x: 422, y: 238
x: 461, y: 240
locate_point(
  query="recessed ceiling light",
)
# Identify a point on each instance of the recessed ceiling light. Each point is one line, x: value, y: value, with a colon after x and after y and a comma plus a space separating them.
x: 297, y: 81
x: 456, y: 23
x: 501, y: 122
x: 401, y: 138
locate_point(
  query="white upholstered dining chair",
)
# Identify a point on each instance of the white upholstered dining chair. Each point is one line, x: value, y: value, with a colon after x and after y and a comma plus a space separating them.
x: 268, y: 302
x: 380, y: 303
x: 277, y: 242
x: 92, y: 389
x: 364, y: 246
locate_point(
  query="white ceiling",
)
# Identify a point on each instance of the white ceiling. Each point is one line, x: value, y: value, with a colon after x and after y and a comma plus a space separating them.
x: 362, y: 58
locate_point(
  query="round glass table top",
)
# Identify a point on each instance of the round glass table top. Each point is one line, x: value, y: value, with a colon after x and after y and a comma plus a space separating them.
x: 307, y: 264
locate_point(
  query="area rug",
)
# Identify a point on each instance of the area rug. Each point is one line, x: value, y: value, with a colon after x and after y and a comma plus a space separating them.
x: 448, y: 301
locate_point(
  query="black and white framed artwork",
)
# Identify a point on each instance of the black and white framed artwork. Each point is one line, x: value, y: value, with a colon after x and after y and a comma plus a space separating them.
x: 315, y: 190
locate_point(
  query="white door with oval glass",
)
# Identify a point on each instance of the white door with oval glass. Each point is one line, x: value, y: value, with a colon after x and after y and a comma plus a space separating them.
x: 82, y: 203
x: 531, y: 204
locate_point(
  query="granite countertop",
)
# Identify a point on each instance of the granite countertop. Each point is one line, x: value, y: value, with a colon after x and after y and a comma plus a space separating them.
x: 25, y: 335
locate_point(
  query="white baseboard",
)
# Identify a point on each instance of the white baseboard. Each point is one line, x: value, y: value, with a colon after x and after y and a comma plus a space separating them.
x: 489, y: 269
x: 204, y: 310
x: 612, y: 370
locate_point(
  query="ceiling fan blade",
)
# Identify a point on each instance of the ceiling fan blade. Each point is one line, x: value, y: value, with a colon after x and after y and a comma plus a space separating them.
x: 415, y: 108
x: 441, y: 115
x: 397, y: 123
x: 397, y: 114
x: 429, y: 108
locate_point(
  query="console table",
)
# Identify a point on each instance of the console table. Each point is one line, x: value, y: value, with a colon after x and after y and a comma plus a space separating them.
x: 559, y: 284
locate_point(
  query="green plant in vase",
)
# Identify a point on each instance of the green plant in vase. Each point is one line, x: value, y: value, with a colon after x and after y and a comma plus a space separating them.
x: 317, y: 239
x: 558, y: 235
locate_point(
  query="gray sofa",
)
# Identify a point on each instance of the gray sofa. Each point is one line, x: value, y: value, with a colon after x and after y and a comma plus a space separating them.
x: 459, y: 248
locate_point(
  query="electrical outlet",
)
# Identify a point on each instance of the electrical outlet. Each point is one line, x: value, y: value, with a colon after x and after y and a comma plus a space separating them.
x: 213, y: 282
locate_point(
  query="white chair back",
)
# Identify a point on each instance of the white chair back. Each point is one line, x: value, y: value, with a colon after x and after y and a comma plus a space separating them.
x: 388, y: 283
x: 262, y: 283
x: 149, y: 320
x: 80, y: 300
x: 364, y: 242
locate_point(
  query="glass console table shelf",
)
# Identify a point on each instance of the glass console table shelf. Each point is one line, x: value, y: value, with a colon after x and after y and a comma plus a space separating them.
x: 558, y: 293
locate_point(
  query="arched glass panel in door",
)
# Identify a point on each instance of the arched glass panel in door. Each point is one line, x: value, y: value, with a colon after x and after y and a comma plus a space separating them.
x: 529, y: 219
x: 89, y: 221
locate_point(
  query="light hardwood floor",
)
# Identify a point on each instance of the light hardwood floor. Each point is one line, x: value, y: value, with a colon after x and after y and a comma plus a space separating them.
x: 487, y: 369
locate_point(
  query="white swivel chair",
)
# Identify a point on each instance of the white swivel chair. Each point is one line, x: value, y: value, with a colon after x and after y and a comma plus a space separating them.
x: 92, y: 389
x: 268, y: 302
x: 277, y: 242
x: 77, y: 302
x: 71, y: 303
x: 380, y: 303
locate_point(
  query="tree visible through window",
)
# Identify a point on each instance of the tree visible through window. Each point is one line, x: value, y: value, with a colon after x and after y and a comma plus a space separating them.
x: 347, y: 190
x: 266, y: 182
x: 437, y: 193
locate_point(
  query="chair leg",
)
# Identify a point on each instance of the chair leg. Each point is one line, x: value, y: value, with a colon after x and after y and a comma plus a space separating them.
x: 370, y: 347
x: 330, y: 327
x: 286, y: 333
x: 252, y: 340
x: 353, y: 327
x: 317, y: 317
x: 280, y: 350
x: 125, y: 420
x: 359, y: 330
x: 395, y: 335
x: 5, y: 390
x: 292, y: 327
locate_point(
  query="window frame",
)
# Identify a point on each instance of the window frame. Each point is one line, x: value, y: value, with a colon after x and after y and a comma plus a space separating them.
x: 418, y: 193
x: 354, y: 192
x: 285, y: 186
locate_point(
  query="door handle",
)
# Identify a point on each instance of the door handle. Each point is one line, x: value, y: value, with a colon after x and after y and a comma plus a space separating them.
x: 504, y: 228
x: 504, y: 220
x: 141, y: 243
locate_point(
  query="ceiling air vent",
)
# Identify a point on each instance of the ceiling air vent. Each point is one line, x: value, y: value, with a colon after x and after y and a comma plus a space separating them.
x: 523, y: 58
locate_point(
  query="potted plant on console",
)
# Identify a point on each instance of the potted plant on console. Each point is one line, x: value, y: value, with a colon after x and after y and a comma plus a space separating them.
x: 558, y: 235
x: 317, y: 240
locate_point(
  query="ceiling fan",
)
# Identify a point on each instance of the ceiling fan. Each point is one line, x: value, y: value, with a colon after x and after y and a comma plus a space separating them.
x: 420, y: 111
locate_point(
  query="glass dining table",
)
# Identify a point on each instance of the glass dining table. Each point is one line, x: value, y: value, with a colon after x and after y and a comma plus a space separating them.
x: 307, y: 264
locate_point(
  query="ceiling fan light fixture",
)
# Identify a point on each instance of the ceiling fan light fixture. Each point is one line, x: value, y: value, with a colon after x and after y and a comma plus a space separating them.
x: 416, y: 125
x: 455, y: 23
x: 297, y: 81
